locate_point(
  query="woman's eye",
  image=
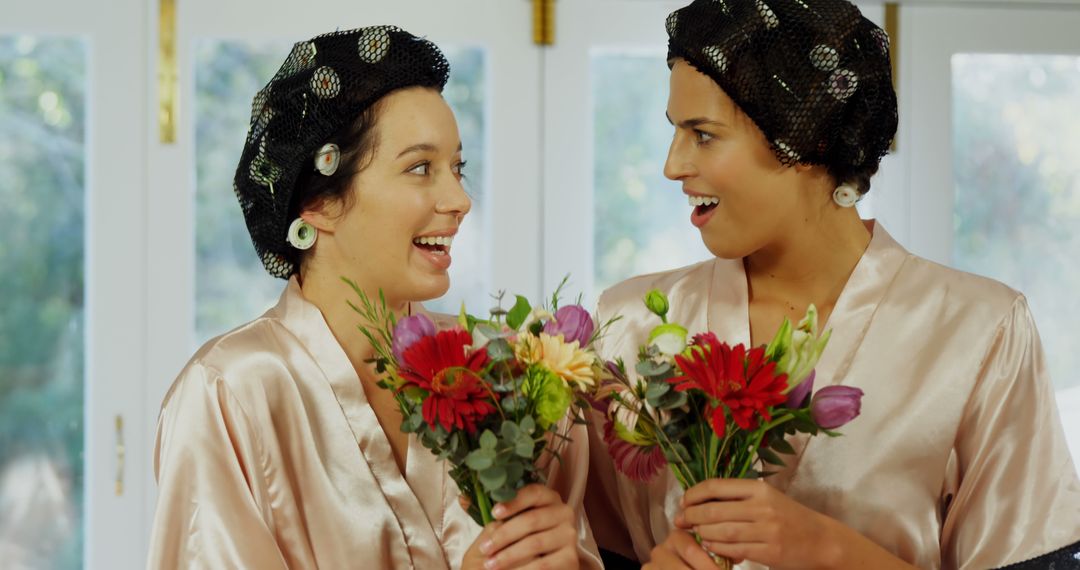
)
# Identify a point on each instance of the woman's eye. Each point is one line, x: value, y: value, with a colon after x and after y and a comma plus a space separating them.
x: 421, y: 169
x: 459, y: 168
x: 702, y: 137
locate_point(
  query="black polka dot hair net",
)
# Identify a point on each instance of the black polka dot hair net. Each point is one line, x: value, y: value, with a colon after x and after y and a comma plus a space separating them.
x: 323, y: 86
x: 813, y: 75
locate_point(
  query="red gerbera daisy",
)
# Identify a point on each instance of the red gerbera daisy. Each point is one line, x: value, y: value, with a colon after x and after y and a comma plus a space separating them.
x: 444, y: 366
x: 746, y: 384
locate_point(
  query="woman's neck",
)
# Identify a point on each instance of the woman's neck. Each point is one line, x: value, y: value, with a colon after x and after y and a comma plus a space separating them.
x: 810, y: 263
x: 327, y: 291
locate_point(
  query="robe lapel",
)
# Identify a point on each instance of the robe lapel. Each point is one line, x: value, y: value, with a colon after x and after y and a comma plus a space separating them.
x: 418, y: 535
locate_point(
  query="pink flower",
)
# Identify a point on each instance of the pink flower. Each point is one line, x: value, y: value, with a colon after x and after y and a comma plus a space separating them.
x: 639, y: 463
x: 574, y: 323
x: 797, y: 396
x: 834, y: 406
x: 409, y: 330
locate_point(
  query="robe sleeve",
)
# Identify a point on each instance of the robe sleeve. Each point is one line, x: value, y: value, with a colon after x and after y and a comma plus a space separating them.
x: 1013, y: 494
x: 212, y: 511
x: 602, y: 495
x: 568, y: 476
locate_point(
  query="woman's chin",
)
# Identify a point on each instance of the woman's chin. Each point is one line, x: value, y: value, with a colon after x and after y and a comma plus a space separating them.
x: 428, y: 287
x: 724, y: 247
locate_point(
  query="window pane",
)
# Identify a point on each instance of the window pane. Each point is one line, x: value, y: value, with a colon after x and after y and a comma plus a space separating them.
x: 42, y: 189
x: 1016, y: 144
x: 470, y: 275
x: 642, y: 220
x: 231, y: 286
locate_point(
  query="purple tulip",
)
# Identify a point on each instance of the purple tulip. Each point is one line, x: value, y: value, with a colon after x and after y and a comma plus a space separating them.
x: 573, y: 322
x: 834, y: 406
x: 797, y: 396
x: 409, y: 330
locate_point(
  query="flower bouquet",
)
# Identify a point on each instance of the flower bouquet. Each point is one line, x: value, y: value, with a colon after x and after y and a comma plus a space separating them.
x: 707, y: 409
x: 488, y: 395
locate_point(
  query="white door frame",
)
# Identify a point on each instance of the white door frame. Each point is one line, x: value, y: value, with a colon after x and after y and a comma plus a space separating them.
x: 115, y: 261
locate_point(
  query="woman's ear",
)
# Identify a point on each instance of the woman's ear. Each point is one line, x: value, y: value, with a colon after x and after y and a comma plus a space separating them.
x: 323, y: 213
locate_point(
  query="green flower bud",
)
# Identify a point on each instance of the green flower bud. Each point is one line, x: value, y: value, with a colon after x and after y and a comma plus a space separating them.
x: 657, y: 302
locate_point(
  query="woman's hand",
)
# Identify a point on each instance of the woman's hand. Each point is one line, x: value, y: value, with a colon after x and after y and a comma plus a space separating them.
x: 535, y: 530
x: 679, y: 552
x: 747, y: 519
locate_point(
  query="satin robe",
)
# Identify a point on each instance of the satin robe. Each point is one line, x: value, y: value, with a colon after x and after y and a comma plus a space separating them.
x: 958, y: 459
x: 269, y: 456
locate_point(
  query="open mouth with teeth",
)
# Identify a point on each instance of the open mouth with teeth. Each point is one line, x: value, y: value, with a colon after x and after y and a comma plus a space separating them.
x: 703, y: 204
x: 434, y: 245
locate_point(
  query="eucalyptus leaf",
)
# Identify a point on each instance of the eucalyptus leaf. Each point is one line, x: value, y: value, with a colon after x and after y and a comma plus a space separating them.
x: 480, y: 459
x: 511, y: 404
x: 524, y: 446
x: 488, y: 440
x: 654, y: 390
x: 499, y: 350
x: 503, y: 495
x: 510, y: 431
x: 413, y: 423
x: 489, y: 331
x: 514, y: 471
x: 649, y: 368
x: 493, y: 477
x: 671, y: 400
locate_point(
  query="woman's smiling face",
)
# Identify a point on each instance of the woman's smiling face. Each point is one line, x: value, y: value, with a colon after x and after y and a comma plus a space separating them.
x: 405, y: 206
x: 741, y: 194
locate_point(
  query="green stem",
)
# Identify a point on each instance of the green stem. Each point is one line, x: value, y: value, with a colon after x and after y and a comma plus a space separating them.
x: 714, y: 455
x: 482, y: 501
x: 683, y: 480
x: 723, y: 449
x: 751, y: 452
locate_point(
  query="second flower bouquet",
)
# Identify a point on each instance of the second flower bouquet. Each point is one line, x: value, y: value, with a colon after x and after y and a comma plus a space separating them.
x: 708, y: 409
x: 494, y: 397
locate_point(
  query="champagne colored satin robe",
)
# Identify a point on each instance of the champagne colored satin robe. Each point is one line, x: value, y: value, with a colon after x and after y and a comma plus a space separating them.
x: 269, y: 456
x: 958, y: 459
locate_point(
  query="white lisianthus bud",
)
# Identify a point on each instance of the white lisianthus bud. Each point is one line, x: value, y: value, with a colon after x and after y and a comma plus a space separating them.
x: 669, y: 339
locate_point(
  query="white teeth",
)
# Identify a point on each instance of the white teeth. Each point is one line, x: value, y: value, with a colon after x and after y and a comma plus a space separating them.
x: 696, y: 201
x: 443, y: 241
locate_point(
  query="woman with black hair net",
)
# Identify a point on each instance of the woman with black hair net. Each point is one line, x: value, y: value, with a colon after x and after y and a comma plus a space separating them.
x: 782, y: 110
x: 275, y: 447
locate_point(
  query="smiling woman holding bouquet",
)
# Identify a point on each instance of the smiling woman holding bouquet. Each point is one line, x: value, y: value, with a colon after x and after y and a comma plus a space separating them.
x: 782, y: 110
x: 275, y: 448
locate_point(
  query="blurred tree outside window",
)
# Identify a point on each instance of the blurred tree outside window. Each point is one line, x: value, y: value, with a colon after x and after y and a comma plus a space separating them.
x: 42, y: 322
